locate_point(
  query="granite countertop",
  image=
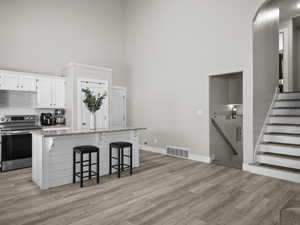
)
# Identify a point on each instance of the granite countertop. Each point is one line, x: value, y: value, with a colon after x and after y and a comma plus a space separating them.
x: 69, y: 132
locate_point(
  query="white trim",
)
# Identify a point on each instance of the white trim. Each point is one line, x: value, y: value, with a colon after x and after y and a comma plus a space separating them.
x: 73, y: 64
x: 153, y: 149
x: 120, y: 89
x: 198, y: 158
x: 260, y: 137
x: 123, y: 91
x: 270, y: 172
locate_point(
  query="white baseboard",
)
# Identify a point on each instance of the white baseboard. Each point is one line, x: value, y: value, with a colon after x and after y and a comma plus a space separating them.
x: 270, y: 172
x: 153, y: 149
x: 198, y: 158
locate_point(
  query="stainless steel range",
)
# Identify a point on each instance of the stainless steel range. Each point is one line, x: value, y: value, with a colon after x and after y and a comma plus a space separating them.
x: 16, y: 141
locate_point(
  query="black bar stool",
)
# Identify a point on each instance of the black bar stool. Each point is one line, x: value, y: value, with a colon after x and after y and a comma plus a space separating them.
x: 82, y: 150
x: 120, y: 157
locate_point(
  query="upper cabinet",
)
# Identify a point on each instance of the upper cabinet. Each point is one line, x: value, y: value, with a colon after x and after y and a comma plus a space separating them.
x: 27, y: 83
x: 17, y: 82
x: 50, y: 93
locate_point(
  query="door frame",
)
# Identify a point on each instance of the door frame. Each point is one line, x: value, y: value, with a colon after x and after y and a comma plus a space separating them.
x: 81, y: 79
x: 123, y: 91
x: 286, y: 60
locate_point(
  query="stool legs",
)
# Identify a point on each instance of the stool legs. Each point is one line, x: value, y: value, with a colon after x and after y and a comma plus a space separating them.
x: 131, y: 156
x: 90, y: 165
x: 98, y: 170
x: 81, y: 169
x: 74, y: 167
x: 110, y: 159
x: 119, y: 164
x: 122, y: 158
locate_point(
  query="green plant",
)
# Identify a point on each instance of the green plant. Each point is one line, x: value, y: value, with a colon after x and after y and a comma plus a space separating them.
x: 93, y: 102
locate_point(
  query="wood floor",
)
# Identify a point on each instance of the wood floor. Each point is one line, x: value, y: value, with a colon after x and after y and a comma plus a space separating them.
x: 164, y: 191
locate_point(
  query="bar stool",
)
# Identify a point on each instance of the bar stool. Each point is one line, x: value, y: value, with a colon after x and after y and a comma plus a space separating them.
x: 82, y: 150
x: 120, y: 166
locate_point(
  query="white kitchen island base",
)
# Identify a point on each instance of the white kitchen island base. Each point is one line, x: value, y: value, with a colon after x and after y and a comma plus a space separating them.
x: 52, y: 153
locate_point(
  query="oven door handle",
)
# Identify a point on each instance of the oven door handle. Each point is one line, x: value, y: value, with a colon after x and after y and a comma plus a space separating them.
x: 10, y: 133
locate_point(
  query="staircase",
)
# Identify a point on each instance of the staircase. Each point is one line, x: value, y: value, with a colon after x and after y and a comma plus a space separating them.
x: 279, y: 149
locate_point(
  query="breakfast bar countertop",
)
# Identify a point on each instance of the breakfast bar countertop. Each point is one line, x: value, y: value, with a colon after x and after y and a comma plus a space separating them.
x: 68, y: 132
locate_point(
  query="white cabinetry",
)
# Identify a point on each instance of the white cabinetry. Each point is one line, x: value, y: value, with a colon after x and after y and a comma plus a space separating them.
x: 15, y: 81
x: 50, y: 93
x: 118, y: 107
x: 27, y: 83
x: 58, y: 93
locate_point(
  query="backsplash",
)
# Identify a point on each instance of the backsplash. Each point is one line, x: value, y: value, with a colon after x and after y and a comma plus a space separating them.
x: 19, y: 103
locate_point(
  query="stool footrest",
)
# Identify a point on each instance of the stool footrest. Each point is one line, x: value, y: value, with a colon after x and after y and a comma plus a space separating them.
x: 94, y: 175
x: 124, y: 165
x: 92, y: 172
x: 89, y: 164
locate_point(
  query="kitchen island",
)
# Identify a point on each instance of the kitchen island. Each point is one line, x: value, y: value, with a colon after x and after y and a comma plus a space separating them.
x: 52, y: 152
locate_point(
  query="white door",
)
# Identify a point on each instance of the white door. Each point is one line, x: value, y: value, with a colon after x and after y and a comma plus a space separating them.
x: 27, y: 83
x: 101, y: 115
x: 11, y: 82
x: 44, y: 93
x: 58, y: 88
x: 118, y: 108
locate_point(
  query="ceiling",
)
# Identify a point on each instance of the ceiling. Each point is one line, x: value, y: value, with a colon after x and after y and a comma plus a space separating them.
x: 288, y: 9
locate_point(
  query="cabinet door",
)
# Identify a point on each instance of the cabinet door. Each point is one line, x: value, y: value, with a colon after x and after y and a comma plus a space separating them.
x: 27, y: 83
x: 1, y: 80
x: 44, y: 93
x: 58, y: 88
x: 118, y: 109
x: 10, y: 82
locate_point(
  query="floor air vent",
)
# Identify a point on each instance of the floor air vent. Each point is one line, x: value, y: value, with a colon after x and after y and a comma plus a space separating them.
x: 178, y: 152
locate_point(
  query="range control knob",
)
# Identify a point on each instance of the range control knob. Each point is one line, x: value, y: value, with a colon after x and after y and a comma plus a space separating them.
x: 2, y: 119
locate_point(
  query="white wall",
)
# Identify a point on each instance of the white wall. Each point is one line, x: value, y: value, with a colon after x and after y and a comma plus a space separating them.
x: 42, y: 36
x: 266, y: 64
x: 297, y: 59
x: 172, y: 47
x: 292, y: 74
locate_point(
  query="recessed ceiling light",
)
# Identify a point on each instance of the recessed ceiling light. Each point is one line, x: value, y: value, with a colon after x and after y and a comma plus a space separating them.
x: 298, y: 6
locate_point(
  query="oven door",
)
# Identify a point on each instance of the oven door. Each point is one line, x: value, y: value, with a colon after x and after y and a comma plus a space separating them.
x: 16, y: 150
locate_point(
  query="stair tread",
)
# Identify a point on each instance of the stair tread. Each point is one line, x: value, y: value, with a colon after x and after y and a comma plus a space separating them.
x: 297, y: 107
x: 283, y: 124
x: 288, y: 100
x: 285, y: 116
x: 289, y: 92
x: 282, y: 134
x: 296, y: 158
x: 280, y: 144
x: 296, y: 171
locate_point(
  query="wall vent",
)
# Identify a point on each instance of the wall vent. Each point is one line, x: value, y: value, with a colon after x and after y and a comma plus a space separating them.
x: 178, y: 152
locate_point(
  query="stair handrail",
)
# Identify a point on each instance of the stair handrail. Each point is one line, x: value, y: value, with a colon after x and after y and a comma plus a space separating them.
x: 219, y: 129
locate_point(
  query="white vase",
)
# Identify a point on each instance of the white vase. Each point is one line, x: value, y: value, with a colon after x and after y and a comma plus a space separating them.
x: 93, y: 121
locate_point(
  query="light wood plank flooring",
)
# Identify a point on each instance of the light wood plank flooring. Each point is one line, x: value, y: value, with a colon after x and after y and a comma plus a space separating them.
x: 163, y: 191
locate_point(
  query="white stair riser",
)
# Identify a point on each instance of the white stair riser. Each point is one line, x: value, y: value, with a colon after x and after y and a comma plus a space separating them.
x: 276, y: 173
x: 287, y: 104
x: 277, y: 161
x: 285, y: 120
x: 282, y: 139
x: 291, y: 151
x: 285, y: 111
x: 283, y: 129
x: 288, y: 96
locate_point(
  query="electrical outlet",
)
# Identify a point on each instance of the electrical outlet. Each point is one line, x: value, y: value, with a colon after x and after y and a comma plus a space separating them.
x: 145, y: 143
